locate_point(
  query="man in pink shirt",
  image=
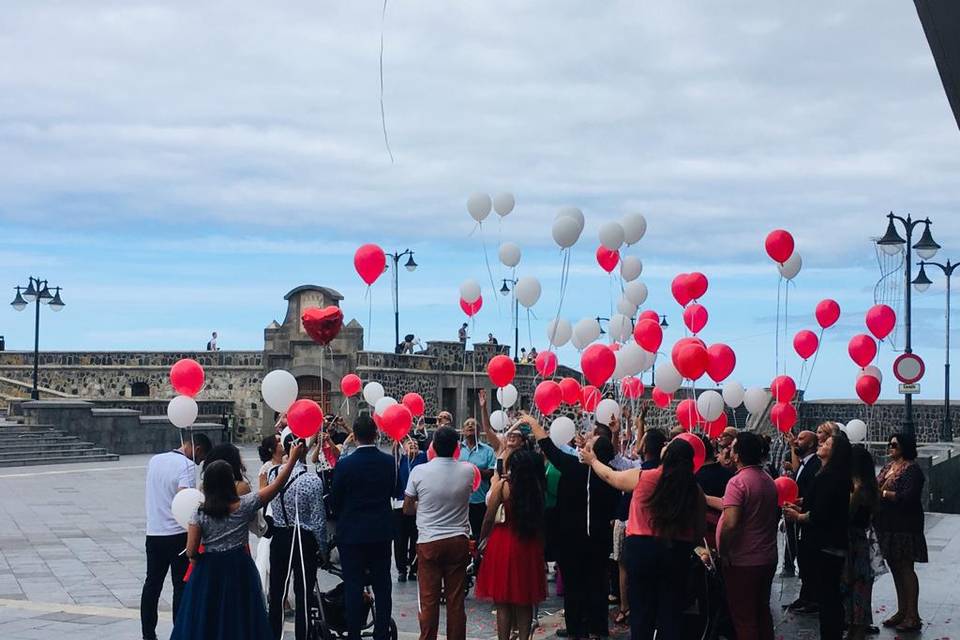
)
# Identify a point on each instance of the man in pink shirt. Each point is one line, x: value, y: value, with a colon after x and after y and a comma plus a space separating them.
x: 747, y: 540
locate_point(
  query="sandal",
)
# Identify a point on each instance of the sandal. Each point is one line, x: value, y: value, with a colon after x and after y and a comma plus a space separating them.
x: 894, y: 620
x: 623, y: 617
x: 908, y: 626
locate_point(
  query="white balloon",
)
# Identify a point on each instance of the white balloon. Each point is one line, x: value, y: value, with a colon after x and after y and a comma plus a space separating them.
x: 611, y: 235
x: 559, y: 332
x: 507, y: 396
x: 733, y: 394
x: 791, y: 267
x: 372, y: 392
x: 478, y: 206
x: 562, y: 431
x: 510, y: 254
x: 856, y: 430
x: 667, y: 378
x: 470, y: 291
x: 630, y: 268
x: 620, y: 327
x: 636, y: 292
x: 566, y: 231
x: 710, y: 405
x: 382, y: 404
x: 634, y: 226
x: 648, y: 360
x: 626, y: 307
x: 503, y: 204
x: 499, y: 420
x: 756, y: 400
x: 182, y: 411
x: 279, y: 389
x: 575, y: 214
x: 607, y: 409
x: 871, y: 370
x: 586, y: 331
x: 527, y: 291
x: 634, y: 358
x: 620, y: 369
x: 185, y: 504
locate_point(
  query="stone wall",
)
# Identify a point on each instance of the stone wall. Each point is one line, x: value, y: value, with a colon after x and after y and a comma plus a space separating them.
x: 883, y: 418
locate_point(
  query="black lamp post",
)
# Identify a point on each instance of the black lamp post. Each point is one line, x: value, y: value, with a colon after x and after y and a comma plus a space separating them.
x: 505, y: 290
x: 38, y: 293
x: 653, y: 370
x: 411, y: 266
x: 922, y: 283
x: 891, y: 243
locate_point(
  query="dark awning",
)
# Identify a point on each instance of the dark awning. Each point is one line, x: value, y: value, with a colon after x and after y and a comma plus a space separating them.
x: 941, y: 24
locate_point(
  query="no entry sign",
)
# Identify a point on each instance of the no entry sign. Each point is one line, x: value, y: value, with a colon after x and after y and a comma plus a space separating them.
x: 909, y: 368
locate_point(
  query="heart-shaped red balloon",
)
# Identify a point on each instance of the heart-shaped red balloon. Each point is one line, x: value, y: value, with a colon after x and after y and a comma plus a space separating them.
x: 607, y: 259
x: 323, y: 325
x: 697, y: 285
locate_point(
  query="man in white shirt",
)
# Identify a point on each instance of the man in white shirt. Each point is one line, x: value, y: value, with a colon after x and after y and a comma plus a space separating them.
x: 167, y: 473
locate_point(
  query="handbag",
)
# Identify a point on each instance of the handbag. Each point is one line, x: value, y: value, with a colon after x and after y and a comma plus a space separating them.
x: 877, y: 565
x: 258, y: 526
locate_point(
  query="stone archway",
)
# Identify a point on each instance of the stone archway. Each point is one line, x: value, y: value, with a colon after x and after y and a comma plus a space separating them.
x: 317, y: 389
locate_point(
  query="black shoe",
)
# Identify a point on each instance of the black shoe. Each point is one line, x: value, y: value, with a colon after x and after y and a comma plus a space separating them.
x: 796, y: 605
x: 788, y: 572
x: 402, y: 577
x: 562, y: 632
x: 810, y: 608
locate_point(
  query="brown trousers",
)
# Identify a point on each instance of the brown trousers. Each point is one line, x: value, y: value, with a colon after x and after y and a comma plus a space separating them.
x: 442, y: 568
x: 748, y: 599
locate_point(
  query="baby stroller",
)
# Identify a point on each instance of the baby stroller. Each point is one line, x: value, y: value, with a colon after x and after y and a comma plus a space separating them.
x: 329, y: 622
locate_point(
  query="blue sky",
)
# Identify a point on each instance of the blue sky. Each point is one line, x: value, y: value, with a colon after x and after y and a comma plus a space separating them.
x: 178, y: 169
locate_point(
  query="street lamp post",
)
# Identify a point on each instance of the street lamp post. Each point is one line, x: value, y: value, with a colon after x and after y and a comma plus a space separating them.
x: 516, y: 317
x: 891, y: 243
x: 38, y: 292
x: 653, y: 370
x: 411, y: 266
x: 922, y: 283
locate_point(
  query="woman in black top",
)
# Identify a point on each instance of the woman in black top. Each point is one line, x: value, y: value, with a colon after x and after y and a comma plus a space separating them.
x: 825, y: 514
x: 858, y: 571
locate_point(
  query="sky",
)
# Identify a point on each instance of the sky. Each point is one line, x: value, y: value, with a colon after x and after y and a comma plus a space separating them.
x: 178, y: 168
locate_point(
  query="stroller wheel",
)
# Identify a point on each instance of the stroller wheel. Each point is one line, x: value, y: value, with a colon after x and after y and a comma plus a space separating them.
x: 392, y: 632
x: 319, y: 631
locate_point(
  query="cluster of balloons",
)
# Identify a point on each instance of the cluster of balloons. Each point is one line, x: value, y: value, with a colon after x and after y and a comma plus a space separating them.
x: 480, y: 204
x: 781, y: 249
x: 393, y: 418
x: 805, y: 341
x: 881, y: 321
x: 186, y: 378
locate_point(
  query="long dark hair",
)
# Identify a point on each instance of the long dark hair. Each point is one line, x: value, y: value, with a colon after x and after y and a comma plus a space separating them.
x: 862, y: 472
x: 527, y: 486
x: 839, y: 465
x: 219, y: 489
x: 673, y: 503
x: 229, y: 454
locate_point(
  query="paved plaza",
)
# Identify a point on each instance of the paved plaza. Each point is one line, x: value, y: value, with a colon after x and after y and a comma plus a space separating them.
x: 72, y: 563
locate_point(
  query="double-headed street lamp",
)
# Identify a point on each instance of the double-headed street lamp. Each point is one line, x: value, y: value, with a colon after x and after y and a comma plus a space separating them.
x: 411, y: 266
x: 505, y: 290
x: 37, y: 292
x: 922, y: 283
x: 891, y: 243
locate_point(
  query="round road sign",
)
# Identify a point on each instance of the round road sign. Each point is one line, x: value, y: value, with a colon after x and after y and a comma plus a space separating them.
x: 908, y: 368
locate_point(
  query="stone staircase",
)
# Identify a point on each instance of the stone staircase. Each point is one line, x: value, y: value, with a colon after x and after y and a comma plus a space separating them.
x: 23, y: 445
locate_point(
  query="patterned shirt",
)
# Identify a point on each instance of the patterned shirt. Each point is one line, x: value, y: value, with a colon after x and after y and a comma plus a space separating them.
x: 304, y: 491
x: 229, y: 532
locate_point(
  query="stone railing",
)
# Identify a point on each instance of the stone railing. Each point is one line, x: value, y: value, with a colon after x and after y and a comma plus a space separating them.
x: 131, y: 358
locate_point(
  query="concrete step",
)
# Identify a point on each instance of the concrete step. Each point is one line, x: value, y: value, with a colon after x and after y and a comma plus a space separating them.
x: 19, y: 446
x: 29, y: 462
x: 51, y: 436
x: 54, y: 453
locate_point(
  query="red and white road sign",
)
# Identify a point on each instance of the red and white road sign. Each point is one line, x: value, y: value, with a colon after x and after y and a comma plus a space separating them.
x: 909, y: 368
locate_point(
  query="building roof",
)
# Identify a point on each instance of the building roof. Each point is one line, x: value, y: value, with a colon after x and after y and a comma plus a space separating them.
x: 332, y: 294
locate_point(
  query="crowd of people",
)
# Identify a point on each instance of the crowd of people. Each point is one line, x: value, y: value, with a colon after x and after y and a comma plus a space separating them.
x: 621, y: 516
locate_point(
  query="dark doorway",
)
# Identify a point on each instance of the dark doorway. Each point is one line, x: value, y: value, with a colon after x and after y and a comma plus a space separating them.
x: 317, y: 389
x: 139, y: 390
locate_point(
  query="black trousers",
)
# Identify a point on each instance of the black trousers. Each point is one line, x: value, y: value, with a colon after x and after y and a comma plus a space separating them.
x: 280, y: 545
x: 367, y: 564
x: 404, y: 541
x: 790, y: 548
x: 585, y: 569
x: 657, y: 578
x: 829, y: 571
x: 163, y: 553
x: 808, y: 564
x: 477, y: 512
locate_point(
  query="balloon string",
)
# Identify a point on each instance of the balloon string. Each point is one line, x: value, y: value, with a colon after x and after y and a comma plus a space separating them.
x: 529, y: 330
x: 776, y: 350
x: 369, y: 297
x: 816, y: 355
x: 786, y: 320
x: 564, y: 276
x: 383, y: 117
x: 486, y: 259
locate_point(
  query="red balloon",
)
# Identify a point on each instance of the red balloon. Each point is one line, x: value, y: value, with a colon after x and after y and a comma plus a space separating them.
x: 471, y: 309
x: 501, y: 370
x: 590, y: 397
x: 783, y: 388
x: 607, y: 259
x: 350, y: 384
x: 881, y: 320
x: 571, y: 391
x: 680, y: 344
x: 715, y: 428
x: 476, y: 475
x: 692, y: 361
x: 721, y: 361
x: 783, y: 415
x: 827, y: 313
x: 687, y: 414
x: 414, y: 402
x: 649, y: 315
x: 548, y: 396
x: 304, y: 418
x: 661, y: 399
x: 699, y: 451
x: 696, y: 285
x: 805, y: 343
x: 787, y: 490
x: 186, y: 377
x: 632, y: 388
x: 546, y: 363
x: 695, y: 317
x: 396, y: 421
x: 369, y: 261
x: 868, y: 389
x: 862, y: 349
x: 432, y: 453
x: 322, y: 325
x: 679, y: 290
x: 779, y: 245
x: 648, y: 334
x: 597, y: 364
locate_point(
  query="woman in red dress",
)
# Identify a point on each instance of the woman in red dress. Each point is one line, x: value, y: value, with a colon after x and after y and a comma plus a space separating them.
x: 513, y: 573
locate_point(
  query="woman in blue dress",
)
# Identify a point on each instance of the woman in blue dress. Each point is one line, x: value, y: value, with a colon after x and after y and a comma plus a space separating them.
x: 223, y: 598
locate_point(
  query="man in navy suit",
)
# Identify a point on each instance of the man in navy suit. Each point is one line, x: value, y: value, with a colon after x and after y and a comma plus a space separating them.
x: 363, y: 484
